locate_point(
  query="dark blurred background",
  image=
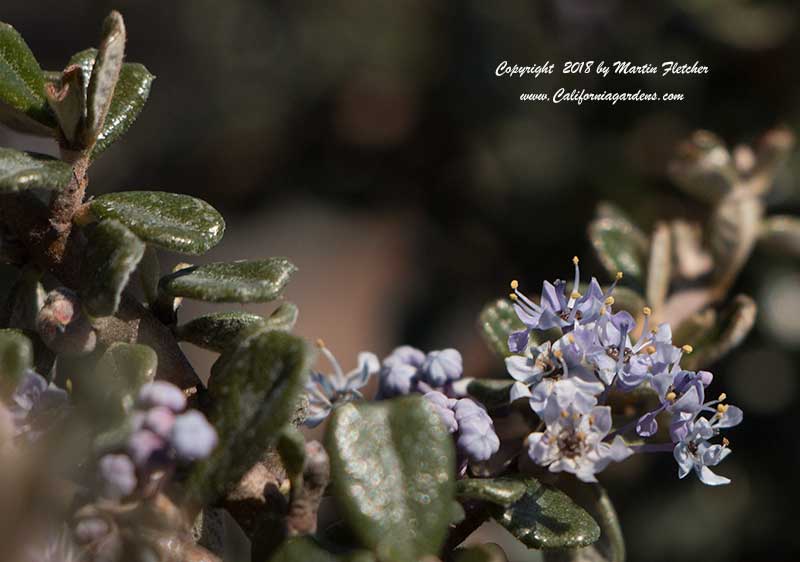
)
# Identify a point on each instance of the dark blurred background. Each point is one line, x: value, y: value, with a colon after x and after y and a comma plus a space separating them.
x: 373, y: 144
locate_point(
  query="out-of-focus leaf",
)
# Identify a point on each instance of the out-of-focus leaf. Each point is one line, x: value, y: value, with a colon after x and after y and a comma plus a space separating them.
x: 16, y: 355
x: 488, y: 552
x: 27, y: 170
x: 703, y: 167
x: 619, y: 245
x: 149, y: 274
x: 121, y: 372
x: 239, y: 281
x: 254, y: 389
x: 111, y: 256
x: 628, y: 300
x: 22, y: 102
x: 284, y: 317
x: 305, y: 549
x: 547, y: 518
x: 168, y: 220
x: 219, y: 330
x: 781, y: 234
x: 496, y: 321
x: 292, y: 449
x: 492, y: 393
x: 659, y: 269
x: 734, y: 229
x: 393, y: 468
x: 500, y: 491
x: 713, y: 337
x: 105, y: 72
x: 24, y: 301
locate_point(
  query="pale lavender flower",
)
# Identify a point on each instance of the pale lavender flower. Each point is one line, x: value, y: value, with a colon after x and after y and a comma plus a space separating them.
x: 471, y: 424
x: 324, y: 391
x: 118, y: 476
x: 680, y: 393
x: 444, y: 408
x: 441, y: 367
x: 36, y: 405
x: 574, y: 441
x: 693, y: 451
x: 398, y: 375
x: 161, y: 393
x: 192, y: 437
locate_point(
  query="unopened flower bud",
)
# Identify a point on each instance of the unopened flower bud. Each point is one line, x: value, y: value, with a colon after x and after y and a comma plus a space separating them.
x: 62, y: 326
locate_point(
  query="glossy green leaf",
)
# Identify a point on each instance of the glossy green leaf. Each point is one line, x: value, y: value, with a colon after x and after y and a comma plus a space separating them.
x: 618, y: 245
x: 393, y: 469
x: 27, y: 170
x: 781, y: 234
x: 500, y: 491
x: 179, y: 223
x: 218, y: 331
x: 16, y: 355
x: 713, y: 335
x: 111, y: 256
x: 22, y: 102
x: 105, y: 72
x: 545, y: 517
x: 254, y: 389
x: 496, y: 321
x: 84, y: 59
x: 239, y: 281
x: 492, y: 393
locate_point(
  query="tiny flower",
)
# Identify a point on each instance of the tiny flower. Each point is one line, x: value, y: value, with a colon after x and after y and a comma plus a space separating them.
x: 444, y: 408
x: 694, y: 452
x: 118, y: 476
x: 192, y: 436
x: 442, y: 366
x: 324, y: 391
x: 159, y: 420
x: 161, y: 393
x: 573, y: 441
x: 680, y: 393
x: 36, y: 405
x: 147, y: 450
x: 474, y: 429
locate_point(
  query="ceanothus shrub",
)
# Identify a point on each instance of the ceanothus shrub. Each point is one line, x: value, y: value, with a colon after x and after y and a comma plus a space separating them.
x: 113, y: 449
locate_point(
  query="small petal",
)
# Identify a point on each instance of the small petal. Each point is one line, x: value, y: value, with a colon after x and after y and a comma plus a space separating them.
x: 192, y: 436
x: 162, y: 393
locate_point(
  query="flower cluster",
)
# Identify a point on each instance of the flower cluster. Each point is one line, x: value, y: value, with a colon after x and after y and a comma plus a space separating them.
x: 568, y: 381
x: 163, y: 433
x: 35, y: 406
x: 408, y: 370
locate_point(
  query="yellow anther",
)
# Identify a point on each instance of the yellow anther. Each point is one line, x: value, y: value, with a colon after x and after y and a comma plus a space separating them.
x: 671, y: 396
x: 575, y: 260
x: 514, y: 284
x: 558, y: 353
x: 687, y: 348
x: 575, y: 295
x: 722, y: 397
x: 564, y: 414
x: 68, y: 384
x: 619, y: 275
x: 512, y: 296
x: 571, y: 338
x: 591, y: 420
x: 576, y: 416
x: 320, y: 343
x: 580, y: 435
x: 650, y: 349
x: 609, y: 301
x: 647, y: 311
x: 602, y: 310
x: 725, y: 442
x: 722, y: 408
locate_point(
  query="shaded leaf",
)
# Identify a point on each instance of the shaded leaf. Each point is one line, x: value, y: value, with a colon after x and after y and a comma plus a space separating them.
x: 111, y: 256
x: 254, y: 389
x: 492, y: 393
x: 302, y: 549
x: 67, y: 99
x: 149, y: 274
x: 28, y: 170
x: 659, y: 268
x: 781, y: 234
x: 703, y: 167
x: 239, y: 281
x: 393, y: 468
x: 547, y: 518
x: 171, y: 221
x: 85, y: 60
x: 292, y: 449
x: 22, y: 102
x: 130, y: 95
x: 487, y: 552
x: 123, y: 369
x: 712, y: 336
x: 105, y: 72
x: 16, y: 355
x: 500, y: 491
x: 734, y: 229
x: 284, y: 317
x: 220, y: 330
x: 620, y: 246
x: 496, y: 321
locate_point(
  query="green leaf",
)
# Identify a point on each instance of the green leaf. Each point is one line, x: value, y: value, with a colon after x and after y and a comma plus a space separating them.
x: 292, y: 449
x: 488, y: 552
x: 492, y: 393
x: 781, y: 234
x: 547, y: 518
x: 105, y: 73
x: 27, y: 170
x: 84, y: 59
x: 22, y: 102
x: 111, y: 256
x: 393, y: 468
x: 497, y: 320
x: 620, y: 246
x: 239, y: 281
x: 16, y: 355
x: 67, y: 99
x: 133, y: 364
x: 218, y: 331
x: 303, y: 549
x: 179, y: 223
x: 254, y: 389
x: 713, y: 335
x: 500, y: 491
x: 149, y: 274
